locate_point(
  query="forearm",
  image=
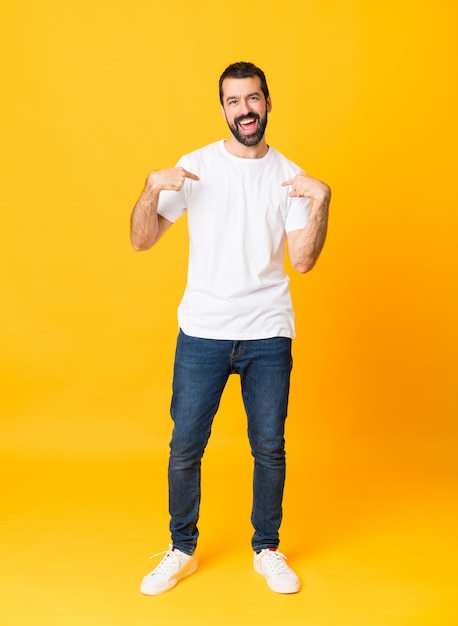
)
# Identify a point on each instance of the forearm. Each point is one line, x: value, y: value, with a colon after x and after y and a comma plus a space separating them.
x: 144, y: 222
x: 146, y: 226
x: 306, y: 245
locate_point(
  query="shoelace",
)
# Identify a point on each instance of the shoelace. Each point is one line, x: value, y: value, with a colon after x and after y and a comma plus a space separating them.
x: 167, y: 563
x: 276, y: 561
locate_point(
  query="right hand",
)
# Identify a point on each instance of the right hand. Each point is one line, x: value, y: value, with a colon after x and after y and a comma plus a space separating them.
x: 171, y: 179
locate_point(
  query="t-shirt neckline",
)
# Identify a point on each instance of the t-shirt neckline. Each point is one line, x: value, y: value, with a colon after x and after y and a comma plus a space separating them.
x: 231, y: 156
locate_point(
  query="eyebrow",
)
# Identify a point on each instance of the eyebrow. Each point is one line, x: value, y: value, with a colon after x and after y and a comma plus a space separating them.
x: 255, y: 93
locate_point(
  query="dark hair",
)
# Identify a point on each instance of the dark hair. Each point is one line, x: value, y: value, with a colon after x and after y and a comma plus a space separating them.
x: 243, y: 70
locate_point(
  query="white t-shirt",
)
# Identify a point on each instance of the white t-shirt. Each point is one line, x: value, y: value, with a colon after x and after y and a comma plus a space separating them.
x: 238, y: 217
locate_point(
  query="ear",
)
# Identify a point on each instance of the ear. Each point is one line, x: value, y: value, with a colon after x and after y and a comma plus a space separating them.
x: 223, y: 113
x: 269, y: 105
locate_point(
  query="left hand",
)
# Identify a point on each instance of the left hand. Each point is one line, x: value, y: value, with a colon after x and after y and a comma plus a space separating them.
x: 304, y: 186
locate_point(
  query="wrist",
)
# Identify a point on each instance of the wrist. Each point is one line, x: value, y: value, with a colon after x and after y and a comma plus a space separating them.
x: 152, y: 189
x: 323, y: 196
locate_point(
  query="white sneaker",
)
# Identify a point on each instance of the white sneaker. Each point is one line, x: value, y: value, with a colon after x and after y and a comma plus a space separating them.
x: 173, y: 567
x: 271, y: 564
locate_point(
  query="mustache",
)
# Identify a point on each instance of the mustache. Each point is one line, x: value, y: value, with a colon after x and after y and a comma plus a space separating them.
x: 248, y: 116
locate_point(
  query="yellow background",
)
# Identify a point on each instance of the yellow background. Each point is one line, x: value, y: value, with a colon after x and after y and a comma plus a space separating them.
x: 95, y: 95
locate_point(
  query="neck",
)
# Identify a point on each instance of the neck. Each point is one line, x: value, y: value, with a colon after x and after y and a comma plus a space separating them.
x: 238, y: 149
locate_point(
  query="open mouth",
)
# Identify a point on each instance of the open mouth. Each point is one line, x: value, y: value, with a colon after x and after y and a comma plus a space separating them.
x: 248, y: 125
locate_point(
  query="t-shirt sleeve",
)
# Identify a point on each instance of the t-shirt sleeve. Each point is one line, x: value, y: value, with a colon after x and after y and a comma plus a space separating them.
x: 172, y: 204
x: 298, y: 214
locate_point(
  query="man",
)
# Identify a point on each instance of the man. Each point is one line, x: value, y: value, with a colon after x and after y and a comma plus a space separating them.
x: 244, y: 201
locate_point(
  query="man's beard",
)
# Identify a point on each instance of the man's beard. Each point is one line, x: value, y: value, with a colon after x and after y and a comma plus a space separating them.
x: 254, y: 138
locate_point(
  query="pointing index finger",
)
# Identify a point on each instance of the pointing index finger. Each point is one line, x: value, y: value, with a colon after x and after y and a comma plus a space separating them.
x: 191, y: 175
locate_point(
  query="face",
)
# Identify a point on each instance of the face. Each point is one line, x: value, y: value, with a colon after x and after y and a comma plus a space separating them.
x: 245, y: 109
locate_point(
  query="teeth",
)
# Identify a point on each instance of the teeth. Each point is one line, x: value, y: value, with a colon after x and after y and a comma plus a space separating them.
x: 247, y: 122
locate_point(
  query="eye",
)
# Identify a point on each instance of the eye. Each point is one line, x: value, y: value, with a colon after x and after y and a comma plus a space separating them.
x: 254, y: 98
x: 232, y: 101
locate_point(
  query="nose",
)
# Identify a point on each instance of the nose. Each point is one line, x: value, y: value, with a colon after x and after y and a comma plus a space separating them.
x: 244, y: 107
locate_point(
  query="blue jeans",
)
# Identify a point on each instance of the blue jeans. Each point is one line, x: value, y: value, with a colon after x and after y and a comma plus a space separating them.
x: 202, y: 368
